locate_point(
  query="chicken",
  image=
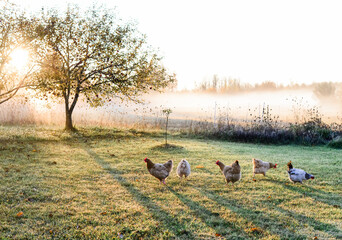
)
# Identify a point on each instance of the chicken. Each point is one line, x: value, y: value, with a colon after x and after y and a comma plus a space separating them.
x: 232, y: 172
x: 261, y: 167
x: 183, y: 169
x: 297, y: 175
x: 158, y: 170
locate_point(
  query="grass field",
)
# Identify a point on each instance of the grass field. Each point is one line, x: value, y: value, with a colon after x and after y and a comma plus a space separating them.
x: 94, y: 185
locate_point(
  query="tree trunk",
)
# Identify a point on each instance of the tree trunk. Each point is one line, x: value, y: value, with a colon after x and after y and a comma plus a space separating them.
x: 68, y: 121
x: 68, y: 116
x: 69, y: 110
x: 167, y: 122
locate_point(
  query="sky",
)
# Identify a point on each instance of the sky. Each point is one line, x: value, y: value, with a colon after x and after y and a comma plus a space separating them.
x: 293, y: 41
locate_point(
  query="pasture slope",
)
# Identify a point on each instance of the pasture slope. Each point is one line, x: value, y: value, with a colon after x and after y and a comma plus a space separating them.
x: 94, y: 185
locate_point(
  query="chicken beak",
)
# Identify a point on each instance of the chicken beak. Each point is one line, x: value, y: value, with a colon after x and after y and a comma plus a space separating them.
x: 312, y: 177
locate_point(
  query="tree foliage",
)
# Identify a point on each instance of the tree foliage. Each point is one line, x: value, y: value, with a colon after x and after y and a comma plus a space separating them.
x: 13, y: 25
x: 96, y: 55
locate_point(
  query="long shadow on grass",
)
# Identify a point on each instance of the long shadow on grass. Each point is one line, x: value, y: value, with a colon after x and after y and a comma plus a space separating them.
x: 216, y: 171
x: 258, y: 218
x: 55, y: 136
x: 317, y: 225
x: 211, y: 219
x: 171, y: 223
x: 319, y: 195
x: 263, y: 219
x: 110, y: 134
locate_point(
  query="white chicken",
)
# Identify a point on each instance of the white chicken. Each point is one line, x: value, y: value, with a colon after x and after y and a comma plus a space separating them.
x: 183, y: 169
x: 298, y: 175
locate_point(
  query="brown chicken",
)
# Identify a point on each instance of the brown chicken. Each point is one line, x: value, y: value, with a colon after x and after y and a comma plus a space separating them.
x: 158, y: 170
x: 232, y: 172
x: 261, y: 167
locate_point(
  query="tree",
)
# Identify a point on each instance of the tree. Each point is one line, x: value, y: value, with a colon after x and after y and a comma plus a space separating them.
x: 94, y: 55
x: 167, y: 113
x: 13, y: 26
x: 324, y: 90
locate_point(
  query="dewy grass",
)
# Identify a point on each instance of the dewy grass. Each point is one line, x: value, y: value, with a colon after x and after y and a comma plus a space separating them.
x: 94, y: 185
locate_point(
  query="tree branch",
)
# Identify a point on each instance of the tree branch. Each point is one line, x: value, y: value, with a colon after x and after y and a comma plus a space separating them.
x: 13, y: 91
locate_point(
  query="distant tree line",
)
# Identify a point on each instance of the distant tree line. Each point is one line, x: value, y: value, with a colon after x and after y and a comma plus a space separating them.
x: 233, y: 85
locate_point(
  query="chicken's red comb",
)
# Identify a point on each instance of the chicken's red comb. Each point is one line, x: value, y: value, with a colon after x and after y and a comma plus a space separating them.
x: 145, y: 159
x: 217, y: 162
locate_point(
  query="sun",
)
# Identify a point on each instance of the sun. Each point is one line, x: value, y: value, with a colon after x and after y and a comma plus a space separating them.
x: 19, y: 59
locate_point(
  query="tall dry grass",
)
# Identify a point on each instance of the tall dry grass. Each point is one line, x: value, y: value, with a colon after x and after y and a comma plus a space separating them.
x: 301, y: 123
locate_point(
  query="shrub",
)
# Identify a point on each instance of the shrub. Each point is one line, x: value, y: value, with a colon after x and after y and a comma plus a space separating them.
x: 266, y: 128
x: 336, y: 143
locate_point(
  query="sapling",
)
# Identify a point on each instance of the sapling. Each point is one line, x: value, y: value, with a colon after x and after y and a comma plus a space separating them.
x: 167, y: 113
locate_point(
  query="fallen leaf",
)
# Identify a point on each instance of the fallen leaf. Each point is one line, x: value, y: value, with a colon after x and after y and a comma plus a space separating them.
x: 103, y: 213
x: 218, y: 235
x: 50, y: 215
x: 20, y: 214
x: 269, y: 196
x: 254, y: 180
x: 34, y: 150
x: 256, y: 230
x: 199, y: 166
x: 50, y: 231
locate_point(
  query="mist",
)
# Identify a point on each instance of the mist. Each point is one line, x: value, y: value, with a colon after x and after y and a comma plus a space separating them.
x: 289, y: 105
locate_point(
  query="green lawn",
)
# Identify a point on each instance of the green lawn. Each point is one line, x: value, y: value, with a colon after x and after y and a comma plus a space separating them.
x: 95, y: 185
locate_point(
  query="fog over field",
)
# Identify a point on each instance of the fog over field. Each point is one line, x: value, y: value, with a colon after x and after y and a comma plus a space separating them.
x: 283, y: 103
x: 287, y: 104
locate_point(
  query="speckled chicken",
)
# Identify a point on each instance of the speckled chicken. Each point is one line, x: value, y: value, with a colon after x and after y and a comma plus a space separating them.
x: 232, y: 172
x: 183, y: 169
x: 158, y: 170
x: 297, y: 175
x: 261, y: 167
